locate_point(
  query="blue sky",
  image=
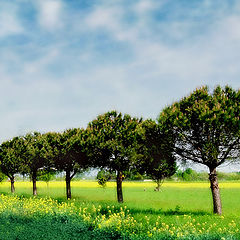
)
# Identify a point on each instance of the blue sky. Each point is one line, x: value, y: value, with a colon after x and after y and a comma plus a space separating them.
x: 63, y: 62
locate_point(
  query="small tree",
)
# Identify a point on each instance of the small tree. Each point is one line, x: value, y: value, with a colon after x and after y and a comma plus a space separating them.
x: 206, y: 130
x: 11, y: 158
x: 113, y: 139
x: 102, y: 177
x: 159, y: 160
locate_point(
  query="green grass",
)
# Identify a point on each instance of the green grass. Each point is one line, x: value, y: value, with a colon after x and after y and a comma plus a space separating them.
x: 177, y: 205
x: 191, y: 198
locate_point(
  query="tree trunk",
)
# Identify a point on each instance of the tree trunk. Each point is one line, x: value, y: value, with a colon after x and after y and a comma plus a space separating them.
x: 68, y: 186
x: 158, y: 185
x: 34, y: 180
x: 12, y: 185
x: 119, y: 187
x: 217, y: 206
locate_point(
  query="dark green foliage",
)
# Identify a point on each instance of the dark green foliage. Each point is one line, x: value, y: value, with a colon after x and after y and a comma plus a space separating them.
x: 51, y: 228
x: 159, y: 162
x: 69, y: 148
x: 103, y: 176
x: 113, y: 143
x: 12, y: 154
x: 70, y: 154
x: 114, y: 140
x: 38, y: 154
x: 206, y: 129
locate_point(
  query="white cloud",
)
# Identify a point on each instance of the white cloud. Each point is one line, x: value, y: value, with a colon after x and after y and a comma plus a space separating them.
x: 144, y: 6
x: 102, y: 17
x: 111, y: 20
x: 106, y: 61
x: 50, y: 14
x: 105, y: 18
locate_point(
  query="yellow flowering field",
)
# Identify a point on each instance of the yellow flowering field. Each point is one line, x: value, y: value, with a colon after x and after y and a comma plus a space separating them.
x: 190, y: 196
x: 119, y: 219
x: 147, y: 184
x: 178, y: 211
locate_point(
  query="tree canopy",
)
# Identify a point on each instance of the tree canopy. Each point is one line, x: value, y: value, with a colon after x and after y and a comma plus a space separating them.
x: 37, y: 155
x: 114, y: 139
x: 11, y: 158
x: 70, y: 154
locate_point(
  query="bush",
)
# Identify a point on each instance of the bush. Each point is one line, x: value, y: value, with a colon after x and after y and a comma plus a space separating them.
x: 102, y: 177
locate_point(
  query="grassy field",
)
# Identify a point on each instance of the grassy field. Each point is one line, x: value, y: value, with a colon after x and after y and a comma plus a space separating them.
x: 178, y: 211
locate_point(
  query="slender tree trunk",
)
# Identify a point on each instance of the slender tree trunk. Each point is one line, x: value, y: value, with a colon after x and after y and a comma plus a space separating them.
x: 68, y: 185
x: 34, y: 180
x: 12, y: 185
x: 217, y: 205
x: 158, y: 185
x: 119, y: 187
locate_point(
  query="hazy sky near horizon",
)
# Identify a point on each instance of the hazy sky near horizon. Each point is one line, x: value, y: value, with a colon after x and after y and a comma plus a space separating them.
x: 63, y: 62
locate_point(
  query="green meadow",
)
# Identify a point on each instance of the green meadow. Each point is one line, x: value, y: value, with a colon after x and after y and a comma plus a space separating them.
x: 179, y: 211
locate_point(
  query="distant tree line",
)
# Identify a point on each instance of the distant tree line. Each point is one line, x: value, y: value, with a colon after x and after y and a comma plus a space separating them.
x: 203, y: 127
x: 190, y: 175
x: 187, y: 175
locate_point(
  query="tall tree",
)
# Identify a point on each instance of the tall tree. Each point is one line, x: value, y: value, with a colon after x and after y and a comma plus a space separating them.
x: 160, y: 161
x: 114, y: 140
x: 11, y: 158
x: 38, y: 154
x: 206, y: 130
x: 71, y: 157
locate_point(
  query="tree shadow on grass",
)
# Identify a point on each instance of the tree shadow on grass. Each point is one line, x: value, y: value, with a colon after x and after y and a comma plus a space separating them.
x: 169, y: 212
x: 20, y: 195
x: 132, y: 210
x: 51, y: 228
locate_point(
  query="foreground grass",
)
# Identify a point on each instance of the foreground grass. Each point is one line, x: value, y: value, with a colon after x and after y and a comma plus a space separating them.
x: 180, y: 210
x: 190, y: 197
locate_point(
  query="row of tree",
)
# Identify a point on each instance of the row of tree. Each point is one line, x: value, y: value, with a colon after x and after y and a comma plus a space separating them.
x: 113, y: 141
x: 203, y: 127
